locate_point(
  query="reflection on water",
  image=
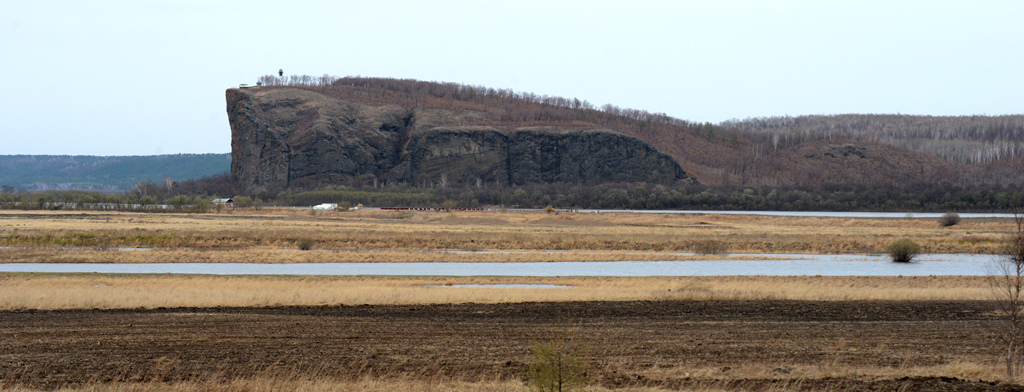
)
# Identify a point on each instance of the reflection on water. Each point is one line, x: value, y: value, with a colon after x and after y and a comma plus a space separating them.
x: 772, y: 265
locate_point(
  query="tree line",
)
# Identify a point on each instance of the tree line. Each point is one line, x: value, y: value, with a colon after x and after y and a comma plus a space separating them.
x: 196, y: 196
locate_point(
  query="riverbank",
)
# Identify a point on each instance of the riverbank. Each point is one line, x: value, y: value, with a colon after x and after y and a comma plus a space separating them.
x: 258, y: 235
x: 23, y: 291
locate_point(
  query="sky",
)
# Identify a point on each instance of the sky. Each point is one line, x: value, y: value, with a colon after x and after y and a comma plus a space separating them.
x: 143, y: 77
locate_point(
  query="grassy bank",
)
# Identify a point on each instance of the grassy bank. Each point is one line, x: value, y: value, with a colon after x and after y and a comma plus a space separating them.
x: 373, y: 230
x: 92, y: 291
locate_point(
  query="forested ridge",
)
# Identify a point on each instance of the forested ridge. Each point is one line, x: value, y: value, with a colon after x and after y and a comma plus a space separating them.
x: 887, y: 150
x: 104, y: 173
x: 968, y: 139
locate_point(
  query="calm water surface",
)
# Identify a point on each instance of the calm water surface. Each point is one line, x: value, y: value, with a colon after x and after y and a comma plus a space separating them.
x: 789, y: 265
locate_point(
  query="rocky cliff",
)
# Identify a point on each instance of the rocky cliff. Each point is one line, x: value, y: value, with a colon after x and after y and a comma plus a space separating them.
x: 284, y: 137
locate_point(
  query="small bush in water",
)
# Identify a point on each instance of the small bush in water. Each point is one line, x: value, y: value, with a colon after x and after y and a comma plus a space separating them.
x: 903, y: 250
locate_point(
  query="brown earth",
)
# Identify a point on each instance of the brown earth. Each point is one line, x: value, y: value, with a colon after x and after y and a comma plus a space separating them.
x: 630, y: 343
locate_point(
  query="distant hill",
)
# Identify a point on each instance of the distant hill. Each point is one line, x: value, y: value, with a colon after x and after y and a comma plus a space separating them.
x: 105, y: 173
x: 967, y: 139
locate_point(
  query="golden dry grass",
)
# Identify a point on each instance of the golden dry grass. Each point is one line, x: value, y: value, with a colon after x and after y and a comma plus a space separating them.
x: 89, y: 291
x: 270, y: 229
x: 833, y: 367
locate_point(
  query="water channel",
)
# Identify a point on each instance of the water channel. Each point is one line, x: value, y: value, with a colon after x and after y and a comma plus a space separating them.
x: 771, y: 265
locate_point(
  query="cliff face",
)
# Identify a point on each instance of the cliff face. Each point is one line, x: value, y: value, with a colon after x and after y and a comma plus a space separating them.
x: 292, y: 137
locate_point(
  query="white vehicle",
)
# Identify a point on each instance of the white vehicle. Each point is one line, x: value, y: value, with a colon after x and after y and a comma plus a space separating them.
x: 326, y: 206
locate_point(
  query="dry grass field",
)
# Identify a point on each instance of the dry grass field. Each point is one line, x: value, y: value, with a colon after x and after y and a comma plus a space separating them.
x: 259, y: 235
x: 107, y: 291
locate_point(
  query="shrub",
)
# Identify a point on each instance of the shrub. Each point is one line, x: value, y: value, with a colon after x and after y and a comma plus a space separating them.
x: 243, y: 201
x: 305, y: 244
x: 147, y: 202
x: 448, y: 205
x: 710, y: 247
x: 949, y: 219
x: 903, y: 250
x: 559, y: 363
x: 179, y: 201
x: 201, y: 204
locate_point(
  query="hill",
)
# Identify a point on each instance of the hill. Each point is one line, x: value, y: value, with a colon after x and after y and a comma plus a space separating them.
x: 290, y: 137
x: 963, y: 151
x: 821, y: 152
x: 432, y: 135
x: 968, y: 139
x: 104, y: 173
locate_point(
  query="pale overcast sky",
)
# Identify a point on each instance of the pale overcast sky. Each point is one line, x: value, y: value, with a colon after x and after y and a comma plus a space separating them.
x: 148, y: 77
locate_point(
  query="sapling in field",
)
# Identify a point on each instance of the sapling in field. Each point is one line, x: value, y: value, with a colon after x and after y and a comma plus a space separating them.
x: 1007, y: 282
x: 558, y: 363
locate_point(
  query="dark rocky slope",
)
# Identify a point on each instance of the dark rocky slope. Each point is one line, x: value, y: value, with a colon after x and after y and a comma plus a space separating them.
x: 283, y: 137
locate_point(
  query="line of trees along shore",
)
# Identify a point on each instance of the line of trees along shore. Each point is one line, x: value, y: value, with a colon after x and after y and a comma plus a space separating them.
x: 195, y: 195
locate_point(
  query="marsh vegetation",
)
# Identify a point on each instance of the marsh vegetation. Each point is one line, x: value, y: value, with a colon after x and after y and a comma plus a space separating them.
x: 249, y: 234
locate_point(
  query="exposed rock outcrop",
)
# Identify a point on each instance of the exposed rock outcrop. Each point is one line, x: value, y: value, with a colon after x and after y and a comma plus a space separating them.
x: 284, y: 137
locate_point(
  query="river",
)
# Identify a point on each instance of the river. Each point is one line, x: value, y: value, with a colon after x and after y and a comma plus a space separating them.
x: 777, y: 265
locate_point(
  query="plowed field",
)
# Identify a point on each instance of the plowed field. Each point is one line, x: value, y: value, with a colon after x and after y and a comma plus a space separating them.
x: 749, y: 345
